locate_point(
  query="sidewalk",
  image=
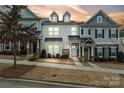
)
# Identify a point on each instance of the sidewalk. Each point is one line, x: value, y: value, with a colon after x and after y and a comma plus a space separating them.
x: 63, y: 66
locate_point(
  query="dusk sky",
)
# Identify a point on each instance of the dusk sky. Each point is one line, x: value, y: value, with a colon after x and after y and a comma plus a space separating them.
x: 80, y: 12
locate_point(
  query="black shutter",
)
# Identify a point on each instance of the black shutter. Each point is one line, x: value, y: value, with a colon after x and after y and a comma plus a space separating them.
x: 117, y: 51
x: 82, y: 31
x: 116, y: 33
x: 102, y: 33
x: 95, y: 52
x: 103, y: 51
x: 89, y: 32
x: 109, y: 33
x: 109, y: 52
x: 95, y: 33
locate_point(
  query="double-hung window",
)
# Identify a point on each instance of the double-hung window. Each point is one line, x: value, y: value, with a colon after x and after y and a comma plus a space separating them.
x: 113, y: 51
x: 73, y: 31
x: 50, y: 32
x: 56, y: 31
x: 113, y: 33
x: 99, y: 19
x: 53, y: 31
x: 99, y: 51
x: 99, y: 33
x: 53, y: 49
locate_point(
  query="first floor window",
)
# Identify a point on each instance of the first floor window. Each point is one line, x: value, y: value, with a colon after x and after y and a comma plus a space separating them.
x: 53, y: 49
x: 99, y: 51
x: 113, y: 52
x: 7, y: 46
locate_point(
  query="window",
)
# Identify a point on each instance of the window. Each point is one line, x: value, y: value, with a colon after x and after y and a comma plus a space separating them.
x: 53, y: 49
x: 6, y: 45
x: 53, y: 31
x: 66, y: 19
x: 113, y: 52
x: 73, y: 31
x: 99, y: 33
x: 99, y: 51
x: 54, y: 19
x: 56, y: 31
x: 99, y: 19
x: 50, y: 31
x: 113, y: 33
x: 73, y: 46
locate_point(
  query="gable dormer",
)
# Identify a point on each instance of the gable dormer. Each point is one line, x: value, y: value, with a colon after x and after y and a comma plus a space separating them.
x: 54, y: 17
x: 100, y: 19
x: 66, y: 16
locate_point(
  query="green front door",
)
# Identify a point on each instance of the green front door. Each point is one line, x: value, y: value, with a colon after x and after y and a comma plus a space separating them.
x: 85, y: 54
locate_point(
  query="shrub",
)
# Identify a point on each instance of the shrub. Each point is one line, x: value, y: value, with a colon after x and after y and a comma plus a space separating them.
x: 49, y: 55
x: 43, y: 54
x: 33, y: 58
x: 53, y: 56
x: 57, y: 55
x: 98, y: 59
x: 7, y: 52
x: 65, y: 56
x: 121, y: 57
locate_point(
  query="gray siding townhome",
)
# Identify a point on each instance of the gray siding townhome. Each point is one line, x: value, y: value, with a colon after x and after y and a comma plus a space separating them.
x: 97, y: 37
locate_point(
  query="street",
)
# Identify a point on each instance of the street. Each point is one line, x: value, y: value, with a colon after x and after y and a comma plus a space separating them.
x: 23, y: 84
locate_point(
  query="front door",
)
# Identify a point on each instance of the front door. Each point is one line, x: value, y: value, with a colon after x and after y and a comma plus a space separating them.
x: 74, y: 51
x: 86, y: 54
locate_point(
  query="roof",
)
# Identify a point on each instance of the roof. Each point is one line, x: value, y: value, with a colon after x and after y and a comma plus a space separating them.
x: 61, y: 23
x: 53, y: 39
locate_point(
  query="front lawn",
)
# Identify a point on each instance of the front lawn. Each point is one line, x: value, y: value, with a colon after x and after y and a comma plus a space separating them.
x: 113, y: 65
x: 62, y: 75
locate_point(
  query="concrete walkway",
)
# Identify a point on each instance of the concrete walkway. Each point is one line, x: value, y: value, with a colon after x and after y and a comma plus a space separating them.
x: 76, y: 61
x: 63, y: 66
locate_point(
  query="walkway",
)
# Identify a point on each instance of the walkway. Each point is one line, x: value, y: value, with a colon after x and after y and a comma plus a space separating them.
x: 63, y: 66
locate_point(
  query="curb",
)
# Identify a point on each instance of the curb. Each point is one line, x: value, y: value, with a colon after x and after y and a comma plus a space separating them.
x: 47, y: 82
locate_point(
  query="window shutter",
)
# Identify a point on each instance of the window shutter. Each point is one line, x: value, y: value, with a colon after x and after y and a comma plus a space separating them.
x: 103, y: 51
x: 116, y: 33
x: 117, y: 51
x: 95, y: 33
x: 96, y: 52
x: 89, y: 32
x: 102, y: 33
x: 82, y: 31
x: 109, y: 33
x: 109, y: 52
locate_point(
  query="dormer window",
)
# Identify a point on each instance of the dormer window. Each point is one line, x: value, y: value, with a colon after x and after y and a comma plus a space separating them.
x: 99, y: 19
x: 66, y: 19
x: 54, y: 19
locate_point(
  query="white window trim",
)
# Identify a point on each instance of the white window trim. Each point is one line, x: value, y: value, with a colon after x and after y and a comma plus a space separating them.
x: 72, y: 31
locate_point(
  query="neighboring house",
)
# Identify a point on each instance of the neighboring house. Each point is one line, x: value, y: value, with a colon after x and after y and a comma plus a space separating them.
x: 97, y: 37
x: 28, y: 18
x: 121, y: 45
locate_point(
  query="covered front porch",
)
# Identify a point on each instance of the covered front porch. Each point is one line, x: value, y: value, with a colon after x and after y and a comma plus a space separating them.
x: 82, y: 48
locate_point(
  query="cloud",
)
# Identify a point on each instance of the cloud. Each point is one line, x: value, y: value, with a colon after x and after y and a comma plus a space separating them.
x: 77, y: 13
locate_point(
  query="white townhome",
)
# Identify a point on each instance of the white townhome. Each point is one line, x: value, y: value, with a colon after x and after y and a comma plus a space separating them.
x: 97, y: 37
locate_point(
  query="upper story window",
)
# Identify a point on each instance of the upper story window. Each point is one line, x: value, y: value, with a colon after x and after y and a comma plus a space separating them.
x: 53, y: 31
x: 66, y: 19
x: 113, y: 33
x: 54, y: 19
x: 99, y: 19
x: 73, y: 31
x: 99, y: 33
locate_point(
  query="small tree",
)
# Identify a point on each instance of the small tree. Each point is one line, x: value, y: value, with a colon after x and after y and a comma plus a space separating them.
x: 43, y: 53
x: 12, y: 29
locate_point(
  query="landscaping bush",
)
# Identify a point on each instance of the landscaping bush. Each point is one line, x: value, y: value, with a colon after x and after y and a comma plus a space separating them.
x: 121, y: 57
x: 43, y: 54
x: 7, y: 53
x: 53, y: 56
x: 49, y: 55
x: 65, y: 56
x: 33, y: 58
x: 57, y: 55
x: 98, y: 59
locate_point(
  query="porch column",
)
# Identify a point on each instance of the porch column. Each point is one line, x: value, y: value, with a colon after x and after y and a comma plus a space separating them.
x: 82, y: 53
x: 70, y: 51
x: 79, y: 51
x: 38, y: 47
x: 31, y: 48
x: 92, y: 54
x: 28, y: 49
x: 19, y: 46
x: 10, y: 46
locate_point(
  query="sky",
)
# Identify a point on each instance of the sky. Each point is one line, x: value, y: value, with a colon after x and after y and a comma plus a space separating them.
x: 80, y: 12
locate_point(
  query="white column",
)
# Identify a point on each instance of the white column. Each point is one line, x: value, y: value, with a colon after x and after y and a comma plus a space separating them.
x: 19, y: 46
x: 31, y: 48
x: 28, y: 50
x: 79, y: 51
x: 70, y: 50
x: 38, y: 43
x: 38, y: 48
x: 82, y: 51
x: 92, y: 51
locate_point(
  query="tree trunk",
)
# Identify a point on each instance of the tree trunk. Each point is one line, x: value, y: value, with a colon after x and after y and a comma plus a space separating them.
x: 14, y: 51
